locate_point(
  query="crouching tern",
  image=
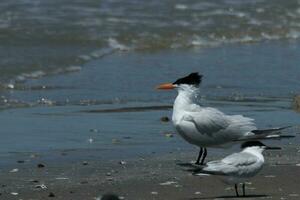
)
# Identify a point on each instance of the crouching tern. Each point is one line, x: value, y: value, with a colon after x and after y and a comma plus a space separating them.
x: 206, y: 126
x: 237, y: 168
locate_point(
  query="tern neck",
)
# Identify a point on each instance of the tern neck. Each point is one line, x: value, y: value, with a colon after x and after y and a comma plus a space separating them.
x: 186, y: 96
x: 257, y: 151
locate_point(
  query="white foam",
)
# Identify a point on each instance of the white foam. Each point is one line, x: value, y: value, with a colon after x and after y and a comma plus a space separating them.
x: 85, y: 57
x: 45, y: 101
x: 73, y: 69
x: 293, y: 34
x: 270, y: 37
x: 34, y: 75
x: 113, y: 43
x: 201, y: 42
x: 180, y: 7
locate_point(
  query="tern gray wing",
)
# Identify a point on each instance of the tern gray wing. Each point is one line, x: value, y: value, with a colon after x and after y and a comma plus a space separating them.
x: 211, y: 121
x: 208, y: 120
x: 237, y: 164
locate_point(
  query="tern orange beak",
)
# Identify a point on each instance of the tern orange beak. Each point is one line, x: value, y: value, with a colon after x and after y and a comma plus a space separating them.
x: 166, y: 86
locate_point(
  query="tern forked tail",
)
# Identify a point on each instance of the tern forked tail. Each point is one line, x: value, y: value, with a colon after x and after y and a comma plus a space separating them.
x: 265, y: 134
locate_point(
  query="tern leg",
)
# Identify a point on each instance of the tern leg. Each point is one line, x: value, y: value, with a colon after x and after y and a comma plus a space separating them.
x: 236, y: 190
x: 199, y: 156
x: 244, y: 193
x: 204, y: 156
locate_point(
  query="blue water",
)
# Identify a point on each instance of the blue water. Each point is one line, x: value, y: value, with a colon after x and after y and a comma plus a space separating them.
x: 80, y: 111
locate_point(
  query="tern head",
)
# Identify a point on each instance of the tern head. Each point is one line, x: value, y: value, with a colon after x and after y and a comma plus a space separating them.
x: 192, y: 80
x: 257, y: 145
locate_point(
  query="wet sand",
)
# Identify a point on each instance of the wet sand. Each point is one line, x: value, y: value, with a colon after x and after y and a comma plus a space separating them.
x: 149, y: 177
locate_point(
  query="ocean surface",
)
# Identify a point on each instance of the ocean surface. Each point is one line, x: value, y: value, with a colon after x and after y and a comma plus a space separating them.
x: 80, y: 74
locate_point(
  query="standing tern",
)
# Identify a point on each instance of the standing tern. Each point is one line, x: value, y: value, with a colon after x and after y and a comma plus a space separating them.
x: 206, y: 126
x: 239, y: 167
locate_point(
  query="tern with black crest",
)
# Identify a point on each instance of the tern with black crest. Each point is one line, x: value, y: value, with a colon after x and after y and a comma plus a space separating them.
x: 206, y: 126
x: 237, y: 168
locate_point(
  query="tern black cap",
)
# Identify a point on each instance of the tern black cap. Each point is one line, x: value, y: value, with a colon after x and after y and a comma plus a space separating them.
x: 192, y: 79
x: 252, y: 144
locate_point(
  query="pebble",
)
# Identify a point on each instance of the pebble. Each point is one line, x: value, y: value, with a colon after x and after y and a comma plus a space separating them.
x: 51, y: 194
x: 154, y: 193
x: 270, y: 176
x: 85, y: 163
x: 108, y: 197
x: 197, y: 193
x: 61, y: 178
x: 109, y: 179
x: 202, y: 174
x: 169, y: 135
x: 165, y: 119
x: 42, y: 186
x: 168, y: 183
x: 94, y: 130
x: 33, y: 181
x: 122, y: 162
x: 33, y: 156
x: 84, y: 182
x: 14, y: 193
x: 40, y: 165
x: 14, y: 170
x: 115, y: 141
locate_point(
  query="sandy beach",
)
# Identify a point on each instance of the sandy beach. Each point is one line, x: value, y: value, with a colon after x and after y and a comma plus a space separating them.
x: 150, y: 177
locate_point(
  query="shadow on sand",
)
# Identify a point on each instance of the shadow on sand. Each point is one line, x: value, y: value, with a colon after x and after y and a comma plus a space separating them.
x: 231, y: 197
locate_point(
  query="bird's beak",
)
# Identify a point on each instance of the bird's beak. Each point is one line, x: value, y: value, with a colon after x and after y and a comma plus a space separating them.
x: 272, y: 148
x: 165, y: 86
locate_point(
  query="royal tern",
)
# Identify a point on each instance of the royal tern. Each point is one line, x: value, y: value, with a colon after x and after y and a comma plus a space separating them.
x: 237, y: 168
x: 206, y: 126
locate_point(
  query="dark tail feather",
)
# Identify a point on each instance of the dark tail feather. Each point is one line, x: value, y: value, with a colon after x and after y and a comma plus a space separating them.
x: 266, y: 134
x: 265, y: 137
x: 268, y: 131
x: 198, y: 169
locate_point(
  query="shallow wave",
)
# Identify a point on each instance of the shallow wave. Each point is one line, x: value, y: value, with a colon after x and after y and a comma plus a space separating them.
x: 43, y: 37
